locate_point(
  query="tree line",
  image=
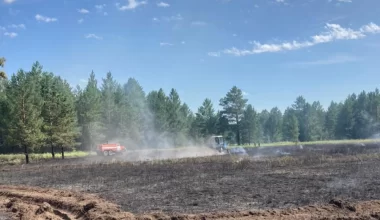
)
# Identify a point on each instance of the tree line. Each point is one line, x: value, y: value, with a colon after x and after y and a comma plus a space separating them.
x: 40, y: 111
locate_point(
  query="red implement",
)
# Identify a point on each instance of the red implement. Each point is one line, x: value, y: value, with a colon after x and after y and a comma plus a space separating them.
x: 110, y: 149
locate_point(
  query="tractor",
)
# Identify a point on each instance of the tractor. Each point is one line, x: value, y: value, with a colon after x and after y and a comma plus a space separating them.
x: 217, y: 142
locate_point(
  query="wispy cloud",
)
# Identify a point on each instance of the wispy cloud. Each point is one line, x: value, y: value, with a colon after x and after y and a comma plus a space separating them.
x: 9, y: 1
x: 83, y: 11
x: 17, y: 26
x: 163, y: 4
x: 198, y: 23
x: 45, y: 19
x: 94, y: 36
x: 2, y: 28
x: 132, y: 4
x: 345, y: 1
x: 245, y: 93
x: 162, y: 44
x: 334, y: 32
x: 214, y: 54
x: 80, y: 21
x: 337, y: 59
x: 100, y: 7
x: 11, y: 34
x: 177, y: 17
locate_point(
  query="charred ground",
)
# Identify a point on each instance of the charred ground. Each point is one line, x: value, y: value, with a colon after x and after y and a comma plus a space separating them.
x: 277, y: 177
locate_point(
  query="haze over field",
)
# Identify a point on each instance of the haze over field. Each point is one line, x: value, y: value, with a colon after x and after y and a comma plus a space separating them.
x: 273, y: 50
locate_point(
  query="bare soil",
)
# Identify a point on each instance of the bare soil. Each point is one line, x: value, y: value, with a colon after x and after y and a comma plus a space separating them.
x: 327, y: 182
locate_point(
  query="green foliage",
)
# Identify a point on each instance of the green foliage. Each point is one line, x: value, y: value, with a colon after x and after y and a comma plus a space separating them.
x: 25, y: 107
x: 39, y: 110
x: 89, y: 113
x: 2, y: 63
x: 233, y: 108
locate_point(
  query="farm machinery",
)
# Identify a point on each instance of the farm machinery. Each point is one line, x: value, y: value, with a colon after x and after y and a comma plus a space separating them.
x: 218, y: 143
x: 110, y: 149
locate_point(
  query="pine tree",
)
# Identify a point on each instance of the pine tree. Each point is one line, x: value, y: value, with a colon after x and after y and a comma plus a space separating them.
x: 137, y: 118
x: 274, y: 125
x: 290, y: 126
x: 3, y: 75
x: 233, y: 107
x: 249, y: 125
x: 331, y: 120
x: 25, y: 104
x: 206, y: 119
x: 89, y: 114
x: 60, y: 120
x: 109, y: 107
x: 175, y: 121
x: 346, y: 120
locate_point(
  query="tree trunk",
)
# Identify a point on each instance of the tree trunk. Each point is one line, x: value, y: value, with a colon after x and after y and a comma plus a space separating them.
x: 52, y: 150
x: 26, y: 154
x: 63, y: 153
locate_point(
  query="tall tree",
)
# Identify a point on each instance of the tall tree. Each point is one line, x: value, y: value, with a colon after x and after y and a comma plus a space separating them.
x: 89, y: 113
x: 25, y: 104
x: 58, y: 112
x: 346, y: 120
x: 274, y: 125
x: 109, y: 108
x: 249, y: 125
x: 331, y: 120
x: 175, y: 122
x: 233, y: 107
x: 2, y: 63
x: 290, y: 126
x: 300, y: 109
x: 137, y: 118
x: 206, y: 119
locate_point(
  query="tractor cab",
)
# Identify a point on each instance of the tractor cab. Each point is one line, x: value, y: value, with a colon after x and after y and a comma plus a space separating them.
x: 217, y: 142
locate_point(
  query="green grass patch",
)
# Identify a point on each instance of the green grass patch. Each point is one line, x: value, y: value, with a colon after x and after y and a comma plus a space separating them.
x: 332, y: 142
x: 20, y: 158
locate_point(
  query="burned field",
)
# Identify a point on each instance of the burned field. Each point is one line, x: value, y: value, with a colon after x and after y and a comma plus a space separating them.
x: 278, y: 177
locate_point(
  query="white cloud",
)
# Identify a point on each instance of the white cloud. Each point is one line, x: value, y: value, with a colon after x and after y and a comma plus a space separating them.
x: 334, y: 32
x: 345, y: 1
x: 337, y: 59
x: 2, y: 28
x: 45, y: 19
x: 9, y: 1
x: 132, y: 4
x: 155, y: 19
x: 80, y: 21
x: 166, y: 44
x: 198, y: 23
x: 94, y: 36
x: 177, y: 17
x: 100, y: 7
x: 370, y: 28
x: 105, y: 13
x: 245, y: 93
x: 183, y: 42
x: 10, y: 34
x: 17, y: 26
x: 163, y: 4
x: 214, y: 54
x: 280, y: 1
x: 83, y: 11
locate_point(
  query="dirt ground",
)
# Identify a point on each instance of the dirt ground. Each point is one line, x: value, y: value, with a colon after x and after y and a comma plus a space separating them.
x: 326, y: 181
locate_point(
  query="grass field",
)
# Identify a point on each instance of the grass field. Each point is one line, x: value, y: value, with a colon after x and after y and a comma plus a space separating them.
x: 329, y: 142
x: 20, y: 158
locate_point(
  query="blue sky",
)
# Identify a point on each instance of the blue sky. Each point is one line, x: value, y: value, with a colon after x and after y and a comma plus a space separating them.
x: 274, y: 50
